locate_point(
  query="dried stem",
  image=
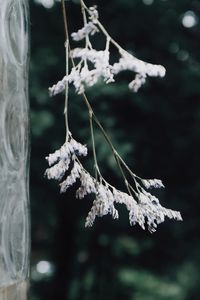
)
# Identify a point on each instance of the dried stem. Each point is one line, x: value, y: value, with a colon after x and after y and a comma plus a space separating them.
x: 67, y: 90
x: 96, y: 168
x: 87, y: 40
x: 147, y: 206
x: 67, y: 68
x: 92, y: 115
x: 65, y: 19
x: 104, y: 31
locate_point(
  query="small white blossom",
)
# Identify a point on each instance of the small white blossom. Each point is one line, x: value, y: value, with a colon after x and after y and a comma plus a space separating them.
x: 63, y: 153
x: 136, y: 84
x: 89, y: 28
x: 71, y: 178
x: 61, y: 160
x: 66, y: 151
x: 78, y: 148
x: 88, y: 185
x: 131, y: 63
x: 88, y: 77
x: 131, y: 205
x: 154, y: 212
x: 152, y: 183
x: 141, y: 68
x: 58, y: 170
x: 82, y: 76
x: 59, y: 87
x: 75, y: 78
x: 100, y: 60
x: 94, y: 15
x: 102, y: 205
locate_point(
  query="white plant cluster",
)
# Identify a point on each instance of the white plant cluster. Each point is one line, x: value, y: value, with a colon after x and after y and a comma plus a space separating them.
x: 143, y: 207
x: 64, y: 164
x: 94, y: 64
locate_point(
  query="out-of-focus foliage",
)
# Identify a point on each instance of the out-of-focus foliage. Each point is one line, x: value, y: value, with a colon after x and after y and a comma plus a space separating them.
x: 157, y: 131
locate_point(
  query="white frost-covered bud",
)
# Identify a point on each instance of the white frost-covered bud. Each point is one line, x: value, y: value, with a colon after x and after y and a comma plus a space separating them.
x: 63, y: 153
x: 136, y: 84
x: 102, y: 205
x: 94, y: 15
x: 141, y: 68
x: 152, y: 183
x: 88, y: 185
x: 59, y: 87
x: 154, y: 212
x: 89, y: 28
x: 78, y: 148
x: 71, y: 178
x: 58, y: 170
x: 61, y: 160
x: 91, y: 215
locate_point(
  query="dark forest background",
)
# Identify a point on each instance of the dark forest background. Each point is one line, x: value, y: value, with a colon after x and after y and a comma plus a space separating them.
x: 157, y: 131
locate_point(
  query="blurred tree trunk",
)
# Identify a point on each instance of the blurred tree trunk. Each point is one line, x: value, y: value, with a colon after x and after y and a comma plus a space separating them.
x: 14, y: 150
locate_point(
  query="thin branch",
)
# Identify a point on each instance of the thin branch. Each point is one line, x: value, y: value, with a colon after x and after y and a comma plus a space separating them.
x: 67, y: 67
x: 65, y: 19
x: 92, y: 115
x: 104, y: 31
x: 93, y: 144
x: 67, y: 89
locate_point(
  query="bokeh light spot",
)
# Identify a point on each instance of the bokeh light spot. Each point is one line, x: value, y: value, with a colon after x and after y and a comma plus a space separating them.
x: 148, y: 2
x: 189, y: 19
x: 44, y: 267
x: 183, y: 55
x: 174, y: 48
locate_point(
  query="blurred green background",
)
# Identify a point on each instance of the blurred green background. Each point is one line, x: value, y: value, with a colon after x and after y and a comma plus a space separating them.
x: 157, y: 131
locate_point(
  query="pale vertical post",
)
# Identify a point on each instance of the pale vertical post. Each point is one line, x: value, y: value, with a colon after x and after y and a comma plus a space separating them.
x: 14, y: 150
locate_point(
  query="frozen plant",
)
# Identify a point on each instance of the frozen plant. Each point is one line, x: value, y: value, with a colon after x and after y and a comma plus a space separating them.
x: 65, y: 165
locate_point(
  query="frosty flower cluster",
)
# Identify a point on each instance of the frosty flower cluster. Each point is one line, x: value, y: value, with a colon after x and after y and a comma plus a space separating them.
x: 95, y: 64
x: 81, y: 75
x: 61, y: 160
x: 88, y: 67
x: 143, y: 209
x: 89, y: 28
x: 141, y: 68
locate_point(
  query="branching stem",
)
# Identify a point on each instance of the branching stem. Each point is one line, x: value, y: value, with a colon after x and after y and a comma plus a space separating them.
x: 65, y: 19
x: 67, y: 68
x: 67, y: 90
x: 104, y: 31
x: 96, y: 168
x: 92, y: 115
